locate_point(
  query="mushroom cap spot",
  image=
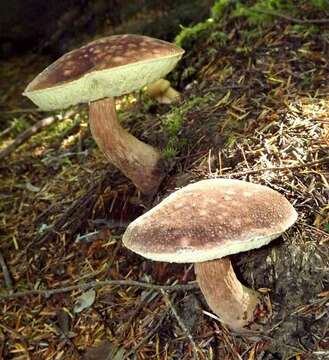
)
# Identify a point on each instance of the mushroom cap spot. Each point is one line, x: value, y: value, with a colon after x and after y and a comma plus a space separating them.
x: 175, y: 231
x: 112, y: 51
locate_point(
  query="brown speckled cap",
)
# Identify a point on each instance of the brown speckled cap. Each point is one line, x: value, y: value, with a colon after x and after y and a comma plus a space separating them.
x: 133, y: 61
x: 210, y: 219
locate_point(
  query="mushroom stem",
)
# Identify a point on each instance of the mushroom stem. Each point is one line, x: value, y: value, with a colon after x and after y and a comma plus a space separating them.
x: 237, y: 306
x: 163, y: 92
x: 138, y: 161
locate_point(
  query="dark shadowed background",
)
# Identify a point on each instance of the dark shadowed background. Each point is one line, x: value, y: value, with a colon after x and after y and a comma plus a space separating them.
x: 52, y: 26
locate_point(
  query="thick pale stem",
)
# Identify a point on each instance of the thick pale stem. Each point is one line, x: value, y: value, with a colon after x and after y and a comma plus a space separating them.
x: 237, y: 306
x: 138, y: 161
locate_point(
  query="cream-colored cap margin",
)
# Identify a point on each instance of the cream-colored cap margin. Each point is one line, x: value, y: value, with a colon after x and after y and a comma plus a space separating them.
x: 103, y: 83
x: 190, y: 255
x: 193, y: 254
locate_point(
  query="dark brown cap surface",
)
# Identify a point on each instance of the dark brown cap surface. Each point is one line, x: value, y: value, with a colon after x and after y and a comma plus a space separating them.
x: 210, y: 219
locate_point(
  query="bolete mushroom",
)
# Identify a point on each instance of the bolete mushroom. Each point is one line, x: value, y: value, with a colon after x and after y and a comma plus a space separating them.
x: 204, y: 223
x: 95, y: 74
x: 163, y: 92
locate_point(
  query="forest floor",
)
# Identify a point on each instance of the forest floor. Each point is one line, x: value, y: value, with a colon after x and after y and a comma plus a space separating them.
x: 254, y: 106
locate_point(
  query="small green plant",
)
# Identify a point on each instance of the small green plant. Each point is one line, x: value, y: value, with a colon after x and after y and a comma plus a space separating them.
x: 169, y: 152
x: 320, y: 4
x: 19, y: 125
x: 188, y: 72
x: 219, y: 8
x: 172, y: 125
x: 204, y: 30
x: 188, y: 35
x: 263, y: 11
x: 57, y: 130
x: 306, y: 29
x: 326, y: 227
x: 219, y: 37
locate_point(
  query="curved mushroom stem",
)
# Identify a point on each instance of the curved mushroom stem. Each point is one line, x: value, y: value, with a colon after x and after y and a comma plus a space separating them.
x: 138, y: 161
x: 237, y: 306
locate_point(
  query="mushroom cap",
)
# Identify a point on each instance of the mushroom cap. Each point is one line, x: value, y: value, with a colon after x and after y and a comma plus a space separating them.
x: 210, y: 219
x: 107, y: 67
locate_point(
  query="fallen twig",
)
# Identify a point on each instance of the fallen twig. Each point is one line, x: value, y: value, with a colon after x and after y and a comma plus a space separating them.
x: 278, y: 168
x: 16, y: 335
x: 181, y: 323
x: 137, y: 310
x: 66, y: 133
x: 289, y: 18
x: 13, y: 332
x: 148, y: 335
x: 67, y: 339
x: 97, y: 284
x: 6, y: 131
x: 25, y: 135
x: 74, y: 215
x: 23, y: 111
x: 6, y: 274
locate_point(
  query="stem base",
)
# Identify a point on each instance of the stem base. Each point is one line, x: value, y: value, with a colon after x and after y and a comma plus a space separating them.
x: 237, y: 306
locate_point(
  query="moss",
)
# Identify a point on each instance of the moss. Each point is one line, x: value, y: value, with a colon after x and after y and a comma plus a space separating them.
x: 263, y: 12
x: 19, y: 124
x: 204, y: 30
x: 320, y: 4
x: 306, y: 29
x: 173, y: 123
x: 198, y: 32
x: 169, y: 152
x: 326, y: 227
x: 55, y: 131
x: 220, y: 8
x: 260, y: 12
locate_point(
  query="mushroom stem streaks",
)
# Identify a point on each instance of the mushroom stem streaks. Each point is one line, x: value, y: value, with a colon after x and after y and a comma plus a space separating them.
x: 137, y: 160
x: 236, y: 305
